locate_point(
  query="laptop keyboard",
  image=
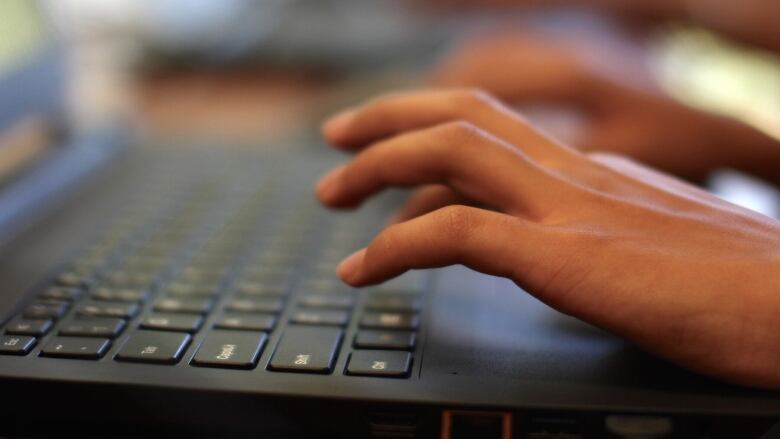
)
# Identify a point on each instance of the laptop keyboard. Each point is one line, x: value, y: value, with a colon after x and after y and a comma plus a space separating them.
x: 212, y: 274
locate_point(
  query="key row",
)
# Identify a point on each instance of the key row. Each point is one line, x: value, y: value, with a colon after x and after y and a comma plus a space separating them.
x: 302, y: 349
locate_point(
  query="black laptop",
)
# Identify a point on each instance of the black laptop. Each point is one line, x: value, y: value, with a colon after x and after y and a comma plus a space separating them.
x: 189, y: 290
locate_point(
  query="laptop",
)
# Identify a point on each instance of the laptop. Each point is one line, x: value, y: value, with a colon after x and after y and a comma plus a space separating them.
x: 189, y: 290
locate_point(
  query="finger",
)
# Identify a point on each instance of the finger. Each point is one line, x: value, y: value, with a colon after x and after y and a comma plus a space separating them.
x: 477, y: 165
x: 426, y: 200
x: 393, y: 114
x: 452, y: 235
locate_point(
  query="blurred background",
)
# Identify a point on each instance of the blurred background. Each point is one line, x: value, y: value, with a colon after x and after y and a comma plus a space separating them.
x: 244, y: 73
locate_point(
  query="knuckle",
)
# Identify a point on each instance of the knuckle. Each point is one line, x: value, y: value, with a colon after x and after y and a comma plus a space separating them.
x: 458, y: 221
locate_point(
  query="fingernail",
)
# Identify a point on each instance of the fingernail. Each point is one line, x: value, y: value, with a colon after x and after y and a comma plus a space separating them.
x: 349, y: 268
x: 336, y: 127
x: 327, y: 186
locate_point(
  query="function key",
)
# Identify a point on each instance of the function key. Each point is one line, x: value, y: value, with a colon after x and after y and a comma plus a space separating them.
x: 389, y: 320
x: 184, y: 305
x: 93, y: 327
x: 108, y: 309
x: 62, y: 293
x: 28, y: 327
x: 76, y: 347
x: 173, y: 322
x: 120, y: 294
x: 388, y: 364
x: 246, y: 322
x: 307, y: 349
x: 49, y: 309
x: 267, y: 305
x: 230, y: 349
x: 320, y: 317
x: 154, y: 347
x: 337, y: 301
x: 392, y: 302
x: 16, y: 344
x: 401, y: 340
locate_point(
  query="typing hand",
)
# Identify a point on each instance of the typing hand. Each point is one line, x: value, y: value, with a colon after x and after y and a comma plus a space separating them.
x: 597, y: 236
x: 624, y: 111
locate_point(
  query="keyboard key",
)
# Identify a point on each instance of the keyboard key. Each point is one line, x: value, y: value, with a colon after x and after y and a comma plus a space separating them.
x: 393, y: 302
x: 46, y: 310
x: 74, y: 279
x: 29, y: 327
x: 320, y: 317
x: 93, y: 327
x: 173, y: 322
x: 180, y: 289
x: 154, y: 347
x: 16, y: 344
x: 230, y: 349
x: 76, y: 347
x: 120, y: 294
x: 368, y: 339
x: 130, y: 279
x: 184, y: 305
x: 308, y: 349
x: 108, y: 309
x: 62, y: 293
x: 336, y: 301
x: 247, y: 322
x: 256, y: 305
x: 256, y: 289
x: 380, y: 364
x: 389, y: 320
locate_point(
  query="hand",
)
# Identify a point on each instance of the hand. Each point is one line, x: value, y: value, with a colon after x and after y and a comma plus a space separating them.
x: 624, y: 111
x: 597, y: 236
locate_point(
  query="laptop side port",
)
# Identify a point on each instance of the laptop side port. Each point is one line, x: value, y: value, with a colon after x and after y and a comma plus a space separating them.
x: 393, y: 425
x: 552, y: 427
x: 461, y: 424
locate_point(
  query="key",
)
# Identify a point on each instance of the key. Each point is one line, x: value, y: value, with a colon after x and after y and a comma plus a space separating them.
x: 120, y: 294
x: 76, y: 347
x: 46, y: 310
x: 180, y: 289
x: 402, y: 340
x: 184, y: 305
x: 247, y: 322
x: 389, y: 320
x: 380, y: 364
x: 29, y: 327
x: 393, y: 302
x: 108, y: 309
x: 130, y: 279
x: 16, y: 344
x: 173, y: 322
x: 154, y: 347
x: 93, y: 327
x: 320, y: 317
x: 230, y: 349
x: 256, y: 305
x: 62, y: 293
x: 256, y: 289
x: 308, y: 349
x: 336, y: 301
x: 73, y: 279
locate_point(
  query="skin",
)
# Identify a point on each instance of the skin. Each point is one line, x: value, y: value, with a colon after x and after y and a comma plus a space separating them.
x: 597, y: 236
x: 625, y: 112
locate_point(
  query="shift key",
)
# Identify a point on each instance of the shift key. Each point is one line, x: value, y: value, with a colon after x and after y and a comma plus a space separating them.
x: 307, y: 349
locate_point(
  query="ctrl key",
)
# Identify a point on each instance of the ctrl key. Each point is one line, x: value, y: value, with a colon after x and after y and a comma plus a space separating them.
x: 16, y: 344
x: 391, y: 364
x: 76, y: 347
